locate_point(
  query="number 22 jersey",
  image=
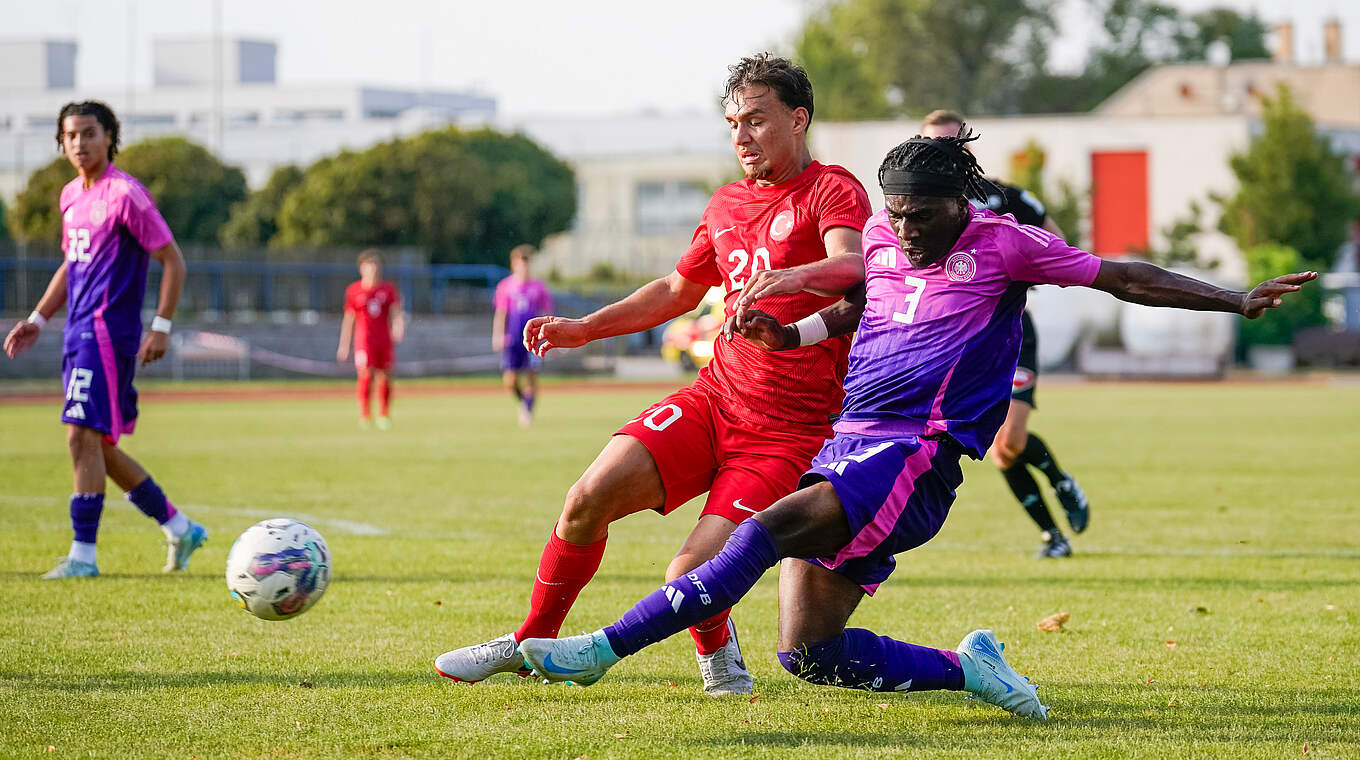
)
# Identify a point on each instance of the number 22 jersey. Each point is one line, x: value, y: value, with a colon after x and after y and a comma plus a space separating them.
x: 747, y: 228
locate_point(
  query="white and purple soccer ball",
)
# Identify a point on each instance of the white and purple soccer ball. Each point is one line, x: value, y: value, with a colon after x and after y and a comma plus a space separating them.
x: 278, y: 569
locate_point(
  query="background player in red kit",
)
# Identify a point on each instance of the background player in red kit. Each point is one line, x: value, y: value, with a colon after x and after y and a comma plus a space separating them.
x: 373, y: 317
x: 751, y: 423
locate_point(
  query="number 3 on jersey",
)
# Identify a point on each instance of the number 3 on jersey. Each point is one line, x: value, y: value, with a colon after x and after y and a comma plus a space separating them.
x: 913, y: 300
x: 739, y: 258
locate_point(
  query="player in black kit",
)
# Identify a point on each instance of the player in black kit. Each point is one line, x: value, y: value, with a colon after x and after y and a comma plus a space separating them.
x: 1015, y: 447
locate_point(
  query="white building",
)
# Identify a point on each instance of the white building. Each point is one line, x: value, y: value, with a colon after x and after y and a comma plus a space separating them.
x: 237, y: 108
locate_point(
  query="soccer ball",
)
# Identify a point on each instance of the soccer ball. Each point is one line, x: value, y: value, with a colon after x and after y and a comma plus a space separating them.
x: 278, y: 569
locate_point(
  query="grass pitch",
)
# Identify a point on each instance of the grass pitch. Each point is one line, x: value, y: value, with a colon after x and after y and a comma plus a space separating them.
x: 1214, y: 601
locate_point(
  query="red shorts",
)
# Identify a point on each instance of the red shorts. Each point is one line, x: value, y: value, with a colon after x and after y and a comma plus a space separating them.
x: 377, y: 357
x: 698, y: 446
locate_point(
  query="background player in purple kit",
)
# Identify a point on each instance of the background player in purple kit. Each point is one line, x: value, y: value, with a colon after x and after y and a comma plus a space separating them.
x: 929, y: 382
x: 110, y: 231
x: 519, y: 298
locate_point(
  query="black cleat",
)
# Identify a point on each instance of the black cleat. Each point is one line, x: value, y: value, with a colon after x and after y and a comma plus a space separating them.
x: 1055, y: 546
x: 1073, y: 501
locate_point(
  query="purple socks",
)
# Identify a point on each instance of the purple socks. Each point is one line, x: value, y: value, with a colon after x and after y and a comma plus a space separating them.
x: 149, y: 498
x: 85, y: 511
x: 858, y: 659
x: 693, y: 598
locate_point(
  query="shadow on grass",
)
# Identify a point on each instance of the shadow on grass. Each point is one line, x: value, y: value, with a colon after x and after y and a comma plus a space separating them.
x: 139, y: 681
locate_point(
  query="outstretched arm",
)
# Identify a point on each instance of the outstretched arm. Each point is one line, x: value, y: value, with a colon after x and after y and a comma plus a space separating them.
x: 660, y: 300
x: 25, y: 333
x: 762, y: 329
x: 1144, y: 283
x: 841, y: 270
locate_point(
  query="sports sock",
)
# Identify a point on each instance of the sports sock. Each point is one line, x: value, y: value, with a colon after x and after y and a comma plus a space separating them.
x: 563, y: 570
x: 363, y: 389
x: 384, y: 395
x: 150, y: 499
x: 177, y: 525
x: 712, y: 634
x: 86, y: 509
x: 1036, y: 453
x: 83, y: 552
x: 1026, y: 490
x: 529, y: 403
x: 717, y: 584
x: 859, y: 659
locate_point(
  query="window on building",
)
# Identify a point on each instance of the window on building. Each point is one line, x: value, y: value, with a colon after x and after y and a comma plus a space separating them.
x: 671, y: 207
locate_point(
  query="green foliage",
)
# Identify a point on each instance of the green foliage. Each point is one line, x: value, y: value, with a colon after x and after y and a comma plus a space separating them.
x: 35, y: 215
x: 4, y: 224
x: 1300, y: 310
x: 466, y: 197
x: 1293, y: 188
x: 193, y: 190
x: 1245, y: 566
x: 879, y: 58
x: 1064, y: 207
x: 1181, y: 235
x: 254, y: 221
x: 1244, y: 35
x: 1067, y: 209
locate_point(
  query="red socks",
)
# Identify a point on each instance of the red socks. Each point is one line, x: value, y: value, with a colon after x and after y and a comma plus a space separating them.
x: 384, y: 395
x: 363, y: 391
x: 712, y: 634
x: 563, y: 570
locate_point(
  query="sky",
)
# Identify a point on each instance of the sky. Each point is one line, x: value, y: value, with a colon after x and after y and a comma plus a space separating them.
x: 590, y: 57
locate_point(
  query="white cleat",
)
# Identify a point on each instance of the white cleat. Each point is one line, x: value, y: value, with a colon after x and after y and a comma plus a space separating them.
x: 480, y: 661
x: 581, y: 660
x: 987, y: 676
x: 724, y: 671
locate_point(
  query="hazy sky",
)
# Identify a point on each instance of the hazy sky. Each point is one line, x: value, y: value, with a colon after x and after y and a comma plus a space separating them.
x: 536, y: 57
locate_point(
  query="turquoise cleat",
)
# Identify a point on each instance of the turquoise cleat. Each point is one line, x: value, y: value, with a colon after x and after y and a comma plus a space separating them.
x: 72, y: 568
x: 180, y: 549
x: 988, y: 677
x: 581, y: 660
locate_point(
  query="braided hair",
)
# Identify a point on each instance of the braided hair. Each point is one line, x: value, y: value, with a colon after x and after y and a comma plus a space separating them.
x: 938, y: 166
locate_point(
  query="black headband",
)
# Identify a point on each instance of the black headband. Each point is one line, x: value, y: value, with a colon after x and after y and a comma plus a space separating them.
x: 901, y: 182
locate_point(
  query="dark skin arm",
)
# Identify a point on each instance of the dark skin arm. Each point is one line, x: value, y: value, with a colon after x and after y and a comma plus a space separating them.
x: 765, y: 331
x: 1143, y: 283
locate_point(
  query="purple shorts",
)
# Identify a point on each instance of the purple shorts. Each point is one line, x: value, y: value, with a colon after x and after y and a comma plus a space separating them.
x: 516, y: 358
x: 99, y: 392
x: 896, y: 493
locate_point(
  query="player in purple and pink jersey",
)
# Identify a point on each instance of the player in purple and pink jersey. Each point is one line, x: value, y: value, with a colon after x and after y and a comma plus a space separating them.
x: 518, y: 299
x: 110, y: 231
x: 929, y: 382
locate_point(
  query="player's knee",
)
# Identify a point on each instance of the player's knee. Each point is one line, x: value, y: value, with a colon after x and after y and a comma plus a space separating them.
x: 814, y: 663
x: 83, y: 441
x: 585, y: 511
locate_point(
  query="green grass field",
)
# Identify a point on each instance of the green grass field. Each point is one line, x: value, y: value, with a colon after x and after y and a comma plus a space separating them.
x: 1214, y: 601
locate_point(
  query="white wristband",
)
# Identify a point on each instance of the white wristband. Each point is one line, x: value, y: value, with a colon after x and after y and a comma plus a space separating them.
x: 811, y: 329
x: 160, y: 324
x: 38, y: 319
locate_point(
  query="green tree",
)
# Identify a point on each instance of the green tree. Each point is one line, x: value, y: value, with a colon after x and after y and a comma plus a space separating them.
x: 1293, y: 188
x: 254, y: 221
x: 1299, y: 310
x: 193, y: 190
x: 464, y: 196
x: 4, y: 224
x: 879, y: 58
x: 1244, y: 35
x: 35, y: 216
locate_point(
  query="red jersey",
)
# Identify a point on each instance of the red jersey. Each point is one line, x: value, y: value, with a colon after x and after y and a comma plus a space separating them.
x: 747, y: 228
x: 372, y: 309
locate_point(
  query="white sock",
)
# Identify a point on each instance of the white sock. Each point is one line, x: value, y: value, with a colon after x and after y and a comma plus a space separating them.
x: 176, y: 526
x: 82, y: 552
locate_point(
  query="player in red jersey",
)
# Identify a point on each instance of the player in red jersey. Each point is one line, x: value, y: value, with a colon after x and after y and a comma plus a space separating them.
x: 788, y: 234
x: 373, y: 318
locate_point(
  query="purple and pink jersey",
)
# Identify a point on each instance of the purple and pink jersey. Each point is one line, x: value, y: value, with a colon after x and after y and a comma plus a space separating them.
x: 106, y: 233
x: 937, y: 346
x: 521, y: 300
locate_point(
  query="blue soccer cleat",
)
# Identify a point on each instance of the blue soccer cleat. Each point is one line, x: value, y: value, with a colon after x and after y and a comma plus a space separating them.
x: 988, y: 677
x: 180, y: 549
x: 581, y: 660
x: 72, y: 568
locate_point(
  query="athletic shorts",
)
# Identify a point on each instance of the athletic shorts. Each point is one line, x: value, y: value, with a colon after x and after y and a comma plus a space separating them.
x: 377, y: 357
x: 1027, y: 369
x: 516, y: 358
x: 698, y: 447
x: 896, y: 493
x: 99, y: 392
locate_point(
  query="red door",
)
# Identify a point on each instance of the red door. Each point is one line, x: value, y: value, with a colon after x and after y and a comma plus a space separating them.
x: 1119, y: 202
